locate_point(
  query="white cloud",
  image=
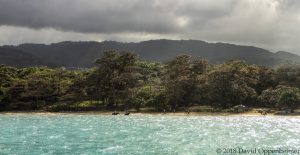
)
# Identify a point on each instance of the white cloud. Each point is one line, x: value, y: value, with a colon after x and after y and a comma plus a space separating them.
x: 11, y: 35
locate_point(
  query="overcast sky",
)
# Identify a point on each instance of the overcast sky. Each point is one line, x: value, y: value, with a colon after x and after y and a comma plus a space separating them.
x: 271, y: 24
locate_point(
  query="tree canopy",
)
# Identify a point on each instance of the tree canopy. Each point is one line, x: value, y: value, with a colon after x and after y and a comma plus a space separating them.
x: 121, y: 80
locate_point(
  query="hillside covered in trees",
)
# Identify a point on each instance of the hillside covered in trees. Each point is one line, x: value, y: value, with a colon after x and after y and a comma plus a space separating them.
x: 121, y: 80
x: 83, y: 54
x: 18, y: 58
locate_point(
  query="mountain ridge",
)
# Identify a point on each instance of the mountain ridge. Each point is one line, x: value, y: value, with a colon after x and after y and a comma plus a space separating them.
x: 18, y: 58
x: 84, y: 53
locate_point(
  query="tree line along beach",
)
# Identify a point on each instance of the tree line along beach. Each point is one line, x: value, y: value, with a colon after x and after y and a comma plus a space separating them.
x: 120, y: 81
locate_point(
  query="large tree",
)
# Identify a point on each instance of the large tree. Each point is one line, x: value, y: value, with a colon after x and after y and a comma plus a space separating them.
x: 182, y: 80
x: 282, y: 97
x: 288, y: 97
x: 288, y: 75
x: 116, y: 74
x: 266, y: 79
x: 230, y: 84
x: 268, y: 98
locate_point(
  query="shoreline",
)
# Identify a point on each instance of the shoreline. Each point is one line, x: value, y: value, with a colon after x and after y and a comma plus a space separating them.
x: 144, y: 113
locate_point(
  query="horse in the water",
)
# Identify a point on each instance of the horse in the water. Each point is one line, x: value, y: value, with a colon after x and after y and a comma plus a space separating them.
x: 115, y: 113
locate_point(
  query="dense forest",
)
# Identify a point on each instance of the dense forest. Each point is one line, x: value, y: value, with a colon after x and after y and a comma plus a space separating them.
x: 122, y: 81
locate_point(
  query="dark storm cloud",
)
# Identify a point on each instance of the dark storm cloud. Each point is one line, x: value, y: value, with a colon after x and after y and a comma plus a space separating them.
x: 89, y: 15
x: 110, y: 16
x: 272, y: 24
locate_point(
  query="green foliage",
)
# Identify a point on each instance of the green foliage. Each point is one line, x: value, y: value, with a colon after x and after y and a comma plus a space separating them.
x: 121, y: 80
x: 288, y: 75
x: 230, y: 84
x: 147, y: 96
x: 266, y: 79
x: 1, y: 94
x: 40, y: 87
x: 141, y: 97
x: 288, y: 97
x: 182, y: 79
x: 281, y: 97
x: 7, y: 76
x: 115, y: 75
x: 268, y: 98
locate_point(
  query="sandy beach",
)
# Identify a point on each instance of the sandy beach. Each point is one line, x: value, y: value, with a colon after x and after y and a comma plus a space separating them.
x: 249, y: 113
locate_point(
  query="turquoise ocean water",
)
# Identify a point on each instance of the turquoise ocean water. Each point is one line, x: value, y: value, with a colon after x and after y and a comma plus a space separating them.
x: 27, y: 134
